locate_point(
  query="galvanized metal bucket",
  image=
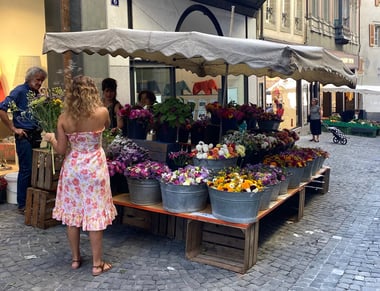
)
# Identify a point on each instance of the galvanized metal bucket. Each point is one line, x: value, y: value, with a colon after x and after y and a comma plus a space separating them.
x: 182, y: 198
x: 144, y: 191
x: 237, y: 207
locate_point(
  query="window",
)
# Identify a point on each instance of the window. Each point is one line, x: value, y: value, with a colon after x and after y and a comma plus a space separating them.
x: 152, y: 77
x: 346, y: 13
x: 315, y: 8
x: 298, y: 16
x: 374, y: 35
x: 270, y: 12
x: 326, y: 10
x: 285, y: 14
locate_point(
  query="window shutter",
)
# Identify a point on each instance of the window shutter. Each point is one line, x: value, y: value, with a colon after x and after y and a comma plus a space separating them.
x: 371, y: 35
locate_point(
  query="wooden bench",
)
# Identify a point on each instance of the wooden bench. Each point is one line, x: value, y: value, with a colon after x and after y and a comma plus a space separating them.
x: 215, y: 242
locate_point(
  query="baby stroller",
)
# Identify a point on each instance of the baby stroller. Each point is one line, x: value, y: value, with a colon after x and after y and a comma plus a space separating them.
x: 339, y: 136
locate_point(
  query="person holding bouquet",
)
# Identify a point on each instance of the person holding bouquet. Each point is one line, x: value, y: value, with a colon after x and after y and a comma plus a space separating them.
x: 25, y: 127
x: 84, y: 196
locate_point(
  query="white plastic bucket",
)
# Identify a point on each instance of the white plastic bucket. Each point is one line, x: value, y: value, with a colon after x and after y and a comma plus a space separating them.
x: 11, y: 187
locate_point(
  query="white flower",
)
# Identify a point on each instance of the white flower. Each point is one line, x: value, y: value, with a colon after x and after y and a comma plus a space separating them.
x: 205, y: 148
x: 198, y: 147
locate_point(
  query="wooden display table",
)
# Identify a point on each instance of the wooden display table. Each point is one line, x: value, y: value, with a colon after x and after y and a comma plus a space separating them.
x: 212, y: 241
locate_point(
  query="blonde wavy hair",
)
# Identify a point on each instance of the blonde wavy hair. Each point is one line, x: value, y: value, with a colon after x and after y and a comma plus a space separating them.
x: 82, y: 98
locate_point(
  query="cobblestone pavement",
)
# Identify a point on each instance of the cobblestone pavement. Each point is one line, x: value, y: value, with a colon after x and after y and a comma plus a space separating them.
x: 335, y: 246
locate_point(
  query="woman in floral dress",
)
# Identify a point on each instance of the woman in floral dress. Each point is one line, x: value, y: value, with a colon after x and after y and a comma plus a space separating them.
x: 84, y: 196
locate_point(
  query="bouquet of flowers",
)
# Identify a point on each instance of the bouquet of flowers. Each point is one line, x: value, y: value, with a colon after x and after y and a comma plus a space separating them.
x: 189, y: 175
x: 252, y: 142
x: 46, y: 107
x: 250, y: 111
x: 225, y: 112
x: 234, y: 181
x: 220, y: 151
x: 201, y: 122
x: 146, y: 170
x: 138, y: 113
x: 285, y: 159
x: 269, y: 116
x: 268, y: 174
x: 123, y: 152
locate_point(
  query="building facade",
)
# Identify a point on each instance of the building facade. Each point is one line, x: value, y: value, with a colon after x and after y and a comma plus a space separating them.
x: 333, y: 25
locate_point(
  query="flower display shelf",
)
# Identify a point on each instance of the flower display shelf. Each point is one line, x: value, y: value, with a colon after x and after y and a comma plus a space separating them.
x: 212, y: 241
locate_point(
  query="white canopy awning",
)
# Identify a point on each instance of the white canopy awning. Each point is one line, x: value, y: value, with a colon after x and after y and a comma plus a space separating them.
x: 361, y: 89
x: 205, y: 54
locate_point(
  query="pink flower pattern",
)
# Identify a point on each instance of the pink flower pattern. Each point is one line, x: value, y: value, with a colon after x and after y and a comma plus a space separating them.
x: 84, y: 197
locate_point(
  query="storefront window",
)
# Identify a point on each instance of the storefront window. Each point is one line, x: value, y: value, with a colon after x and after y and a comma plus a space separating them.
x: 155, y: 78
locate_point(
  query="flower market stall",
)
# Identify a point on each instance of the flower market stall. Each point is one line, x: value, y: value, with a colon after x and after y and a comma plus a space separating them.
x: 212, y: 195
x: 214, y: 235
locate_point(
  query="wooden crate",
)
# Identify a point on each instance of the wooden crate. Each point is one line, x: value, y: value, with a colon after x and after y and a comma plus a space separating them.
x: 170, y: 226
x: 39, y: 208
x: 225, y: 247
x: 137, y: 218
x: 42, y: 169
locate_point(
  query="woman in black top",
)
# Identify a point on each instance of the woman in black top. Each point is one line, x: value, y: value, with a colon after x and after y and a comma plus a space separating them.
x: 109, y: 87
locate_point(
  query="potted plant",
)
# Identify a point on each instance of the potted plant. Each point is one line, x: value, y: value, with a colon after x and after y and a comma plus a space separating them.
x: 257, y: 145
x: 137, y: 121
x: 270, y: 176
x: 250, y: 114
x: 235, y: 196
x: 198, y: 129
x: 121, y: 153
x: 179, y: 159
x: 293, y: 162
x: 184, y: 190
x: 143, y: 185
x: 268, y: 121
x: 217, y: 157
x: 228, y: 116
x: 170, y: 115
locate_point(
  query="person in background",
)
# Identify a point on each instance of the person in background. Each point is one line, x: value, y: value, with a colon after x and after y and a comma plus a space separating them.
x: 84, y: 197
x: 146, y: 99
x: 315, y: 120
x: 109, y: 89
x: 26, y: 130
x: 269, y: 108
x: 280, y: 110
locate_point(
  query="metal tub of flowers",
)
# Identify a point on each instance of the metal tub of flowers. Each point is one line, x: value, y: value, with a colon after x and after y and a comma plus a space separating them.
x: 184, y: 190
x: 235, y: 197
x: 217, y: 157
x: 144, y: 187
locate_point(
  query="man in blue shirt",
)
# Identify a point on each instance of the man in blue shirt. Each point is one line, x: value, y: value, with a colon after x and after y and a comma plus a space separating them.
x: 26, y: 130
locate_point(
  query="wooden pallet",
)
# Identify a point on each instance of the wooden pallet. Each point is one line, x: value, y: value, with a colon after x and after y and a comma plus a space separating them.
x: 39, y: 208
x: 42, y: 169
